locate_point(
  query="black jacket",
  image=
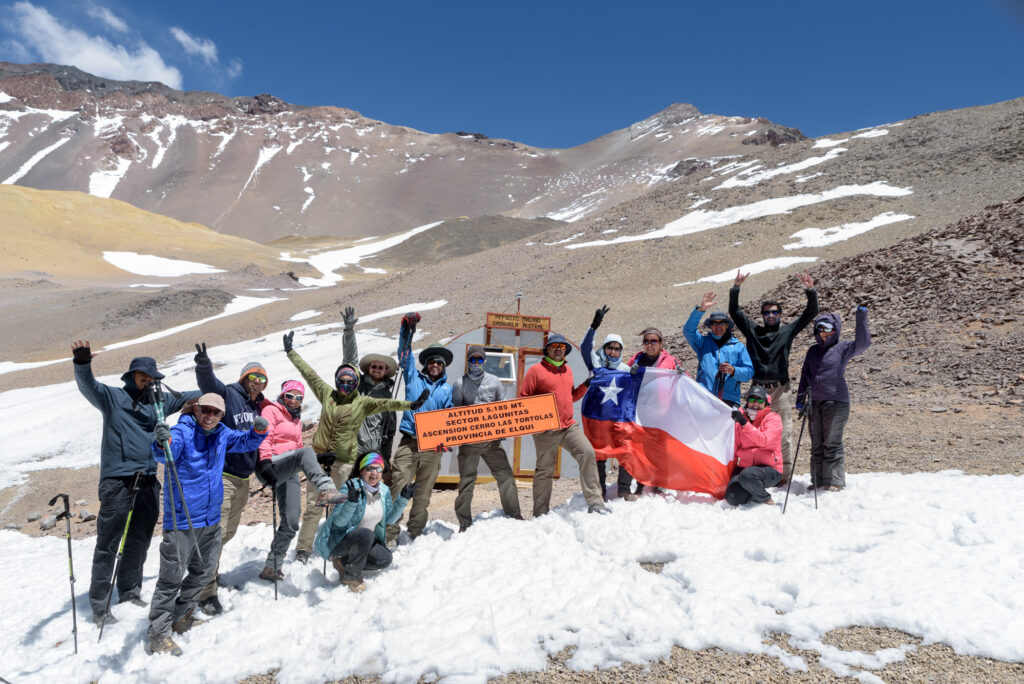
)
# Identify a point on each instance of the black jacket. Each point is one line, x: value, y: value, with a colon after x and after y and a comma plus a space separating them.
x: 240, y: 413
x: 769, y: 347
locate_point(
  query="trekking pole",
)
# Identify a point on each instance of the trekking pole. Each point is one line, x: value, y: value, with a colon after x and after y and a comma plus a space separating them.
x: 796, y: 452
x: 66, y: 514
x: 273, y: 512
x: 120, y: 551
x: 327, y: 510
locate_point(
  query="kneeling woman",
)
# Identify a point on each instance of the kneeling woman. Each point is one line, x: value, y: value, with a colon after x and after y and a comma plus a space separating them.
x: 758, y: 450
x: 353, y: 537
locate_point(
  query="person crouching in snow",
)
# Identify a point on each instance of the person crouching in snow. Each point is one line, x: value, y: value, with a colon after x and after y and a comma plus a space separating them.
x: 197, y: 444
x: 758, y: 450
x: 282, y: 457
x: 354, y: 536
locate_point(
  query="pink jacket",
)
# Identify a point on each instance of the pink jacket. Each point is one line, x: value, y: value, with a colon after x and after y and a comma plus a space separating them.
x: 759, y: 442
x: 284, y: 433
x: 665, y: 360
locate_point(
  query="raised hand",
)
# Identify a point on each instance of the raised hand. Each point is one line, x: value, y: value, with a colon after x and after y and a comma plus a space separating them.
x: 162, y: 432
x: 740, y: 277
x: 410, y: 320
x: 260, y: 425
x: 201, y: 356
x: 707, y: 301
x: 288, y: 341
x: 81, y: 353
x: 806, y: 279
x: 598, y: 317
x: 354, y: 492
x: 348, y: 316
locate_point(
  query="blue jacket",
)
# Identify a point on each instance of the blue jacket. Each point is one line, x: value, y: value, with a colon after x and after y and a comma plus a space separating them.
x: 417, y: 381
x: 240, y: 412
x: 199, y: 459
x: 710, y: 354
x: 128, y: 423
x: 346, y: 517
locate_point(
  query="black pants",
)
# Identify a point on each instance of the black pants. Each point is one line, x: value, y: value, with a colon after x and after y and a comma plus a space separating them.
x: 625, y: 479
x: 115, y: 497
x: 750, y: 484
x: 359, y: 551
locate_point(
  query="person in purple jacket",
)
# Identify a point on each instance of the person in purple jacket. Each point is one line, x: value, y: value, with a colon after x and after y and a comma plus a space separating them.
x: 824, y: 375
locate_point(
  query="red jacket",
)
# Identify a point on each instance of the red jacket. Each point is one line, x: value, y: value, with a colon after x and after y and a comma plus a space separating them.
x: 665, y: 360
x: 544, y: 378
x: 283, y: 434
x: 759, y: 442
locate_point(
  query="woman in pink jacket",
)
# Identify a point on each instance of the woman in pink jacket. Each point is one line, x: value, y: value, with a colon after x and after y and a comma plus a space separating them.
x: 758, y: 450
x: 282, y: 456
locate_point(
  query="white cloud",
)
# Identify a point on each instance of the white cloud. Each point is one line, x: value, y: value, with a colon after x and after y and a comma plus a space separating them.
x: 54, y: 42
x: 107, y: 17
x: 202, y: 47
x: 235, y: 68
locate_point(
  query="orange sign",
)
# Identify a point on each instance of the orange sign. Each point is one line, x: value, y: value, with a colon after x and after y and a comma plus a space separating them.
x: 486, y: 422
x: 518, y: 321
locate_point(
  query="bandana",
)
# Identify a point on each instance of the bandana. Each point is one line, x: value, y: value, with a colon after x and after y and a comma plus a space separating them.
x: 372, y: 458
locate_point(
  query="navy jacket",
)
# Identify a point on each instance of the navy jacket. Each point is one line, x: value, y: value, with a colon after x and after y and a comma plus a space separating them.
x: 769, y: 346
x: 240, y: 413
x: 824, y: 369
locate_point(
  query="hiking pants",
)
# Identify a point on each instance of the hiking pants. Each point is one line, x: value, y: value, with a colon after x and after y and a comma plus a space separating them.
x: 625, y: 481
x: 359, y: 551
x: 497, y: 462
x: 313, y: 514
x: 176, y: 592
x: 421, y: 467
x: 546, y: 444
x: 826, y: 421
x: 236, y: 496
x: 751, y: 484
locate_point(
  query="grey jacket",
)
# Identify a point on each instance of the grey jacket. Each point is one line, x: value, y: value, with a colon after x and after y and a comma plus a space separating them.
x: 467, y: 391
x: 377, y: 433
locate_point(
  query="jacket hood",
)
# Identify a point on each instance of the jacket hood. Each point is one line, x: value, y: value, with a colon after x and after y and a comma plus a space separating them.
x: 836, y: 322
x: 602, y: 359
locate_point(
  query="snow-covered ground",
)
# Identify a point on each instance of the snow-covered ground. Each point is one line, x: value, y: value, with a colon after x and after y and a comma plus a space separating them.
x: 936, y: 555
x: 152, y: 265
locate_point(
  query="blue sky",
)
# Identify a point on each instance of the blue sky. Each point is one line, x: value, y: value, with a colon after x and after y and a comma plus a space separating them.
x: 550, y: 74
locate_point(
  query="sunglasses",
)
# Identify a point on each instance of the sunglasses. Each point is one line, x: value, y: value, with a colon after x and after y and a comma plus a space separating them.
x: 652, y: 341
x: 435, y: 362
x: 822, y: 328
x: 255, y: 377
x: 374, y: 469
x: 558, y: 345
x: 378, y: 366
x: 613, y: 347
x: 293, y: 397
x: 770, y: 314
x: 755, y: 400
x: 718, y: 322
x: 476, y: 359
x: 210, y: 411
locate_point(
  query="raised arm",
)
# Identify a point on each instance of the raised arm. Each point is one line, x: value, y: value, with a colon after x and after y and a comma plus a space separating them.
x: 587, y: 348
x: 735, y: 312
x: 321, y: 390
x: 810, y: 311
x: 862, y: 336
x: 691, y: 327
x: 205, y: 377
x: 405, y: 336
x: 96, y: 393
x: 349, y: 349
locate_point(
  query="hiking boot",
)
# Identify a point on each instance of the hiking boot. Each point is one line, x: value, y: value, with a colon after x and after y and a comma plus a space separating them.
x: 630, y: 497
x: 186, y: 622
x: 224, y: 584
x: 782, y: 483
x: 211, y: 606
x: 268, y: 574
x: 391, y: 544
x: 769, y: 502
x: 464, y: 526
x: 163, y: 645
x: 302, y: 556
x: 330, y: 497
x: 103, y: 617
x: 338, y: 565
x: 355, y: 585
x: 598, y: 508
x: 517, y: 516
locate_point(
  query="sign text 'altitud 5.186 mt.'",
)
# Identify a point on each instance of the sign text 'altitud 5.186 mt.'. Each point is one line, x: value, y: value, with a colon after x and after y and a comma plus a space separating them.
x: 486, y: 422
x: 518, y: 321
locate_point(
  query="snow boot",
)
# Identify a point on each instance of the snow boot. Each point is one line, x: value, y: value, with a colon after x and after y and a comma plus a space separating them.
x: 302, y: 556
x: 268, y: 574
x: 211, y: 606
x: 103, y: 617
x: 186, y: 622
x: 163, y: 645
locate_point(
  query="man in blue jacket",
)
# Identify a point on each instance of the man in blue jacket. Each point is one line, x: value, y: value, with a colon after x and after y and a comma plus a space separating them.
x: 723, y: 364
x: 410, y: 464
x: 125, y: 460
x: 197, y: 444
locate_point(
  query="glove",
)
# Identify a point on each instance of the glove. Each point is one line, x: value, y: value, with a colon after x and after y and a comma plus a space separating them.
x: 162, y: 432
x: 862, y: 308
x: 266, y: 472
x: 201, y: 357
x: 800, y: 411
x: 326, y: 460
x: 354, y: 492
x: 348, y: 316
x: 260, y: 425
x: 410, y: 320
x: 288, y: 341
x: 598, y: 317
x: 82, y: 355
x: 424, y: 395
x: 408, y: 491
x: 739, y: 417
x: 635, y: 368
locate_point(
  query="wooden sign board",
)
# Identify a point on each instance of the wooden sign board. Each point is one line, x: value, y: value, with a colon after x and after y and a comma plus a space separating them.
x: 486, y: 422
x: 518, y: 322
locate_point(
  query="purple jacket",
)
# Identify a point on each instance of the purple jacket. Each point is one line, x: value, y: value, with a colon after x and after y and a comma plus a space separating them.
x: 824, y: 366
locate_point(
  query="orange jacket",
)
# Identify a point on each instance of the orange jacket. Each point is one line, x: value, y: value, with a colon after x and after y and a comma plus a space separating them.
x: 545, y: 378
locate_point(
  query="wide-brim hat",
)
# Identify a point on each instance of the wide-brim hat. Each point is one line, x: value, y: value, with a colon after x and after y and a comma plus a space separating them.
x: 556, y: 338
x: 436, y: 350
x: 364, y: 364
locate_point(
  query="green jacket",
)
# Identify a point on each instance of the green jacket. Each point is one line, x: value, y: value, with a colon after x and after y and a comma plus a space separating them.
x: 341, y: 416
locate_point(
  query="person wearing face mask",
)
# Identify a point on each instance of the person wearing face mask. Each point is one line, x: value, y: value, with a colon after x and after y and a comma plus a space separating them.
x: 758, y: 450
x: 410, y: 464
x: 607, y: 358
x: 824, y: 374
x: 723, y: 363
x: 282, y: 458
x: 553, y: 376
x: 342, y: 411
x: 354, y: 536
x: 769, y: 345
x: 477, y: 386
x: 652, y: 354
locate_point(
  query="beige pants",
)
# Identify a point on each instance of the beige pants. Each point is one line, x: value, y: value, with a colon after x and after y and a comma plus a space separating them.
x: 546, y: 445
x: 313, y: 514
x: 781, y: 404
x: 496, y: 460
x: 236, y: 496
x: 421, y: 467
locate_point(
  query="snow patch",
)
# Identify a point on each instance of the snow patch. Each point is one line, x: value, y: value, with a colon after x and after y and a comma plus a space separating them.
x: 33, y: 160
x: 821, y: 237
x: 103, y: 182
x: 750, y: 178
x: 303, y: 315
x: 874, y: 133
x: 826, y: 142
x: 150, y: 265
x: 756, y: 267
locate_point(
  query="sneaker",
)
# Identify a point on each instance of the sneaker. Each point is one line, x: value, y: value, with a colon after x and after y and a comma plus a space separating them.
x: 186, y: 622
x: 355, y: 585
x: 598, y: 508
x: 630, y: 497
x: 211, y: 606
x: 338, y: 565
x: 302, y: 556
x: 103, y: 617
x: 268, y: 574
x: 330, y: 497
x: 163, y: 645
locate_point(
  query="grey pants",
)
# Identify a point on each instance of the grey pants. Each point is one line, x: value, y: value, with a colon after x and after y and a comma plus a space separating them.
x: 546, y: 445
x: 496, y: 460
x: 359, y: 551
x: 421, y: 467
x: 289, y: 497
x: 750, y: 484
x: 176, y: 592
x: 826, y: 421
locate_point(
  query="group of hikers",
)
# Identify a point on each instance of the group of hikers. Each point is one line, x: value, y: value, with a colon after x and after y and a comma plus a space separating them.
x: 229, y: 432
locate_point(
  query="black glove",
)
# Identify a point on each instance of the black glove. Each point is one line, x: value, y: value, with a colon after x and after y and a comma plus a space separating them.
x: 266, y: 472
x: 326, y: 460
x: 260, y: 425
x: 408, y: 491
x: 424, y: 395
x: 162, y: 432
x: 410, y: 320
x: 354, y: 492
x: 288, y: 341
x: 348, y: 316
x: 201, y: 357
x: 801, y: 410
x: 81, y: 355
x: 738, y: 416
x: 598, y: 317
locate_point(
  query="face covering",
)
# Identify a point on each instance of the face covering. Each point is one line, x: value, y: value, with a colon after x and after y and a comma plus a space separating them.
x: 370, y: 489
x: 553, y: 362
x: 717, y: 337
x: 751, y: 412
x: 476, y: 371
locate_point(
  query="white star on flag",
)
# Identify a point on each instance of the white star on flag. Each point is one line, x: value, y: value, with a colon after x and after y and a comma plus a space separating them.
x: 611, y: 392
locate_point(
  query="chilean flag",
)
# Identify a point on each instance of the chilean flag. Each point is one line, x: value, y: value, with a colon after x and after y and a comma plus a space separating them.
x: 665, y: 428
